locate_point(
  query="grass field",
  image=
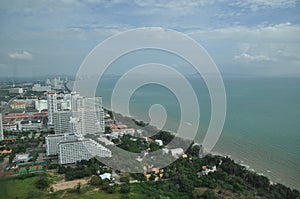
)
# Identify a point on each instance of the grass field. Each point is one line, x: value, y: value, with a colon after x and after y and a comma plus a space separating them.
x: 88, y: 193
x: 12, y: 188
x: 17, y: 188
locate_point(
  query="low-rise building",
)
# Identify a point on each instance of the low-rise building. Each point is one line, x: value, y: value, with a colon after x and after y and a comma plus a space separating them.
x: 31, y: 125
x: 105, y: 176
x: 24, y: 157
x: 175, y: 152
x: 18, y: 105
x: 16, y: 90
x: 159, y: 142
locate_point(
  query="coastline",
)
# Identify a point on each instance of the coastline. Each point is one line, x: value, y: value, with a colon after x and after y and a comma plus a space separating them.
x: 129, y: 122
x: 261, y: 170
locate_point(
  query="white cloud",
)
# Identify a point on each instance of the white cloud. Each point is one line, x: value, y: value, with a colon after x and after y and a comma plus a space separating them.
x: 175, y: 4
x: 272, y: 46
x: 255, y: 5
x: 21, y: 55
x: 248, y: 57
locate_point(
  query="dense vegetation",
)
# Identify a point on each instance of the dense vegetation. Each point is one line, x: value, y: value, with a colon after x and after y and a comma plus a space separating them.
x: 82, y: 169
x: 181, y: 179
x: 140, y: 123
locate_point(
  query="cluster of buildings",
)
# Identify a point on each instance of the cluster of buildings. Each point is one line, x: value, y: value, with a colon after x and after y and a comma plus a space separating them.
x: 39, y: 105
x: 55, y: 83
x: 70, y: 115
x: 85, y: 116
x: 24, y: 121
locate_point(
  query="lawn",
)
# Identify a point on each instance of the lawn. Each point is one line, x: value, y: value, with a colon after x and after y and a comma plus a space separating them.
x: 92, y: 195
x: 17, y: 188
x: 12, y: 188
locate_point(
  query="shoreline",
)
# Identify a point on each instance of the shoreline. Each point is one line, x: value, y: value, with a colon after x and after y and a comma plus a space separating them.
x: 214, y: 153
x: 260, y: 171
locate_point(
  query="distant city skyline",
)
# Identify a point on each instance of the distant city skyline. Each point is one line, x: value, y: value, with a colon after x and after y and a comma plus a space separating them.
x: 256, y: 38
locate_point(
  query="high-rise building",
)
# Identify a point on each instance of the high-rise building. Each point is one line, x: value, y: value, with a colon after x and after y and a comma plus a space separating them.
x: 53, y: 140
x: 89, y: 113
x: 41, y: 105
x: 86, y: 117
x: 81, y: 149
x: 61, y: 120
x: 1, y: 128
x: 74, y: 97
x: 52, y: 105
x: 101, y: 120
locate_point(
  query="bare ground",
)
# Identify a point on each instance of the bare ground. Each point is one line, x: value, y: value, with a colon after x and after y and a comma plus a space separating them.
x: 62, y: 185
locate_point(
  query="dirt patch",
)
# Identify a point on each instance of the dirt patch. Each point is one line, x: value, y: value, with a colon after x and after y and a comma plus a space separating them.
x: 62, y: 185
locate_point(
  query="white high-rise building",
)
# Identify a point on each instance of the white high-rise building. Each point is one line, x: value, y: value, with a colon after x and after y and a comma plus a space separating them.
x: 55, y: 83
x: 1, y: 128
x: 53, y: 140
x: 65, y: 105
x: 89, y: 113
x: 41, y: 105
x: 86, y: 117
x: 74, y: 97
x: 52, y: 105
x: 74, y: 126
x: 61, y: 120
x: 81, y: 149
x: 101, y: 120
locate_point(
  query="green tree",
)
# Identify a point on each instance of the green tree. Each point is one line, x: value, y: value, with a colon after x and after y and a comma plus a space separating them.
x: 194, y: 150
x: 42, y: 182
x: 124, y: 179
x: 209, y: 194
x: 96, y: 181
x: 111, y: 189
x: 154, y: 146
x: 104, y: 185
x: 125, y: 188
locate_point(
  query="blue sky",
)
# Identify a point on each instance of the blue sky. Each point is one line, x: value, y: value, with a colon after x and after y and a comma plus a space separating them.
x: 244, y: 37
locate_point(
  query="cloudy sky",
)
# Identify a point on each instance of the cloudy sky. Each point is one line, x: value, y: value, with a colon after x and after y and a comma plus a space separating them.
x: 244, y: 37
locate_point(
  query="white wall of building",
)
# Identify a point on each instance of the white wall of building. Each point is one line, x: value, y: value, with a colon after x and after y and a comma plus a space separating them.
x: 51, y: 105
x: 1, y: 128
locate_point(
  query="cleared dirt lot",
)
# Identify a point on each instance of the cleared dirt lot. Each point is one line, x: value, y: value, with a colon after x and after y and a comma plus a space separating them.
x: 62, y: 185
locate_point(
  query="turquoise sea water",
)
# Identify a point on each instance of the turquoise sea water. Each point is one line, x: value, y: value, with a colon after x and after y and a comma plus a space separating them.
x: 262, y: 127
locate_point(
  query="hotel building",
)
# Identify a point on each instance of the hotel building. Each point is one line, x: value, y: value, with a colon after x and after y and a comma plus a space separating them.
x: 51, y: 105
x: 81, y: 149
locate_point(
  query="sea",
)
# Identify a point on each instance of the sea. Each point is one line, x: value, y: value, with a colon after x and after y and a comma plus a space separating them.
x: 262, y: 125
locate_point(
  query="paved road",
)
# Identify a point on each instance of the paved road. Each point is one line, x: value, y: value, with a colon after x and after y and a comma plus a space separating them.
x: 41, y: 157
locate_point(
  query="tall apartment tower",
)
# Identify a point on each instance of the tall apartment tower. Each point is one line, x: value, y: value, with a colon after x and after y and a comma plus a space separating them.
x: 74, y: 98
x: 1, y: 128
x: 89, y: 113
x: 52, y: 142
x: 52, y: 106
x: 61, y: 120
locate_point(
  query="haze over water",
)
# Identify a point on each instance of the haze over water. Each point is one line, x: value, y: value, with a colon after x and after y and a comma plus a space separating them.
x: 262, y: 123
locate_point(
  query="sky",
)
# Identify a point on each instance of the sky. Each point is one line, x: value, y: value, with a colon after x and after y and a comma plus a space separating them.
x: 243, y: 37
